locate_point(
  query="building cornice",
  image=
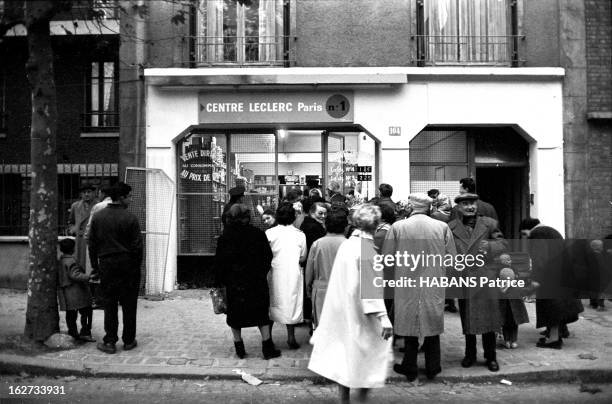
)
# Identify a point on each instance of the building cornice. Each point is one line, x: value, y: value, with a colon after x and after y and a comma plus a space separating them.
x: 314, y: 76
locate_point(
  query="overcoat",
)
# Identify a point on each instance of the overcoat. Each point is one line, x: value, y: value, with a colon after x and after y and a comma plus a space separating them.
x: 551, y: 263
x: 78, y: 220
x: 318, y: 270
x: 286, y: 280
x: 419, y: 310
x: 478, y: 305
x: 348, y: 344
x: 73, y: 287
x: 242, y: 263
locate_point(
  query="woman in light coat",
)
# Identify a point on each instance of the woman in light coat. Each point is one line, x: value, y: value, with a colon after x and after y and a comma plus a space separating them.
x: 321, y: 259
x: 286, y: 279
x: 351, y: 343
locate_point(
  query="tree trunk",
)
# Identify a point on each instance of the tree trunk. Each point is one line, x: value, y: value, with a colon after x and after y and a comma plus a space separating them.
x: 42, y: 317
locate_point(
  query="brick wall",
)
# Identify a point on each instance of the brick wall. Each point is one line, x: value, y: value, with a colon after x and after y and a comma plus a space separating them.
x: 598, y: 16
x: 71, y: 63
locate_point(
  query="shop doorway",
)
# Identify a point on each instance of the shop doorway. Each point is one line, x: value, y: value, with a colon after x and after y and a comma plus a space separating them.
x: 505, y: 188
x: 497, y: 157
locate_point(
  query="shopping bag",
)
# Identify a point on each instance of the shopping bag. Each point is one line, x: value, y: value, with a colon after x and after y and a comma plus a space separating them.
x: 219, y: 300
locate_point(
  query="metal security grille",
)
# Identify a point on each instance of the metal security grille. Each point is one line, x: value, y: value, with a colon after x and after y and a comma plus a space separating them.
x: 438, y: 159
x: 15, y: 185
x: 152, y: 197
x: 253, y: 165
x: 202, y: 191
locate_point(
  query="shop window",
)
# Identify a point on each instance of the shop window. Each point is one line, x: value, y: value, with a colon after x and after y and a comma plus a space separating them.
x: 102, y: 104
x: 202, y: 191
x: 350, y: 163
x: 438, y: 159
x: 234, y: 33
x: 268, y: 164
x: 466, y: 32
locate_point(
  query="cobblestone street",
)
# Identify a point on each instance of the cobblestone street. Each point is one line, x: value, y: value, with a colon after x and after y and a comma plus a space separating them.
x: 180, y: 336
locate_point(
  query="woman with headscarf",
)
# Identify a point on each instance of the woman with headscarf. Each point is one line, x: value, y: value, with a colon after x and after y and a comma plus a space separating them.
x: 242, y: 263
x: 352, y: 343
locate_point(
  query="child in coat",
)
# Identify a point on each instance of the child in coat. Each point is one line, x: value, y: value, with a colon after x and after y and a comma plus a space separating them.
x: 511, y: 306
x: 73, y: 292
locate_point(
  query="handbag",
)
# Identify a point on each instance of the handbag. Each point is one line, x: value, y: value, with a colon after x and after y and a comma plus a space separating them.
x: 219, y: 300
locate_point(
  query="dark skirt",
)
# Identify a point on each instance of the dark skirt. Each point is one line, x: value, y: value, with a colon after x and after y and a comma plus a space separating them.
x: 554, y: 312
x: 248, y: 306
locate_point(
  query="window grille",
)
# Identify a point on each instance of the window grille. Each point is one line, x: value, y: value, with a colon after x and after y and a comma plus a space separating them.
x: 15, y: 185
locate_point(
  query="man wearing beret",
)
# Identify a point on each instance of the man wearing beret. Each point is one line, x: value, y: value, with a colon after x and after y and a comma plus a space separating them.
x: 477, y: 236
x: 77, y: 221
x: 419, y: 310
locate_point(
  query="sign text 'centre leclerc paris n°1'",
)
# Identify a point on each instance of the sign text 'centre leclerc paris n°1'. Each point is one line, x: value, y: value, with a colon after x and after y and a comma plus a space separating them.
x: 265, y: 107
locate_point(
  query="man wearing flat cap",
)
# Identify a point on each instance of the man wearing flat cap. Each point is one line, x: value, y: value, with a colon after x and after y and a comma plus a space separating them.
x: 77, y: 222
x: 419, y: 309
x: 475, y: 236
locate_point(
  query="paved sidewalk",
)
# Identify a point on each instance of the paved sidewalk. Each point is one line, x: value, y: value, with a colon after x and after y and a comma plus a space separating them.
x: 181, y: 337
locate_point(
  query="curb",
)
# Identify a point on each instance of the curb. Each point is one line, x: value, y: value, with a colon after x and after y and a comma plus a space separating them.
x: 33, y: 367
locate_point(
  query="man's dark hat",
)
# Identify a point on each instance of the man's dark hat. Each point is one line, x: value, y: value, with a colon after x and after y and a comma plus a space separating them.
x: 466, y: 197
x: 237, y: 191
x: 86, y: 187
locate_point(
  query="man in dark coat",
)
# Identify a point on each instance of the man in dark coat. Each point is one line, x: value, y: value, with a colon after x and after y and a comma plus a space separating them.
x: 115, y: 250
x: 551, y: 273
x: 313, y: 224
x: 384, y: 199
x: 467, y: 185
x: 478, y: 236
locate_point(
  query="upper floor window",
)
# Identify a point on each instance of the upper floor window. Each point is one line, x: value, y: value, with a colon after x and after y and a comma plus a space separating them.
x: 466, y: 32
x: 248, y: 32
x: 89, y: 10
x: 102, y: 111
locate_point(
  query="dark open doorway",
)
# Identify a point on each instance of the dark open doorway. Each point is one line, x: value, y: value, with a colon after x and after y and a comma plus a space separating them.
x: 506, y: 189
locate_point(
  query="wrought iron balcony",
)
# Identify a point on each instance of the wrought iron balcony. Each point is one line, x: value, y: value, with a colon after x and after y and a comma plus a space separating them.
x: 242, y: 50
x: 496, y: 50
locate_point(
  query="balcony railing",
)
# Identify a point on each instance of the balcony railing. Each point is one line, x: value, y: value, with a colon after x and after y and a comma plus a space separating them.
x: 246, y: 50
x: 499, y: 50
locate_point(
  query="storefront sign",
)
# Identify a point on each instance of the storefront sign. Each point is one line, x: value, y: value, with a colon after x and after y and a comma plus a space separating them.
x: 267, y: 107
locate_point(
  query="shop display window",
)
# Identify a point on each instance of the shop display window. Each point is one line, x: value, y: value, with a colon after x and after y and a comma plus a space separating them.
x: 268, y: 164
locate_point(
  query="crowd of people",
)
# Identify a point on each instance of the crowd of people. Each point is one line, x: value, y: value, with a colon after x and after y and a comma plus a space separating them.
x: 319, y: 255
x: 311, y: 263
